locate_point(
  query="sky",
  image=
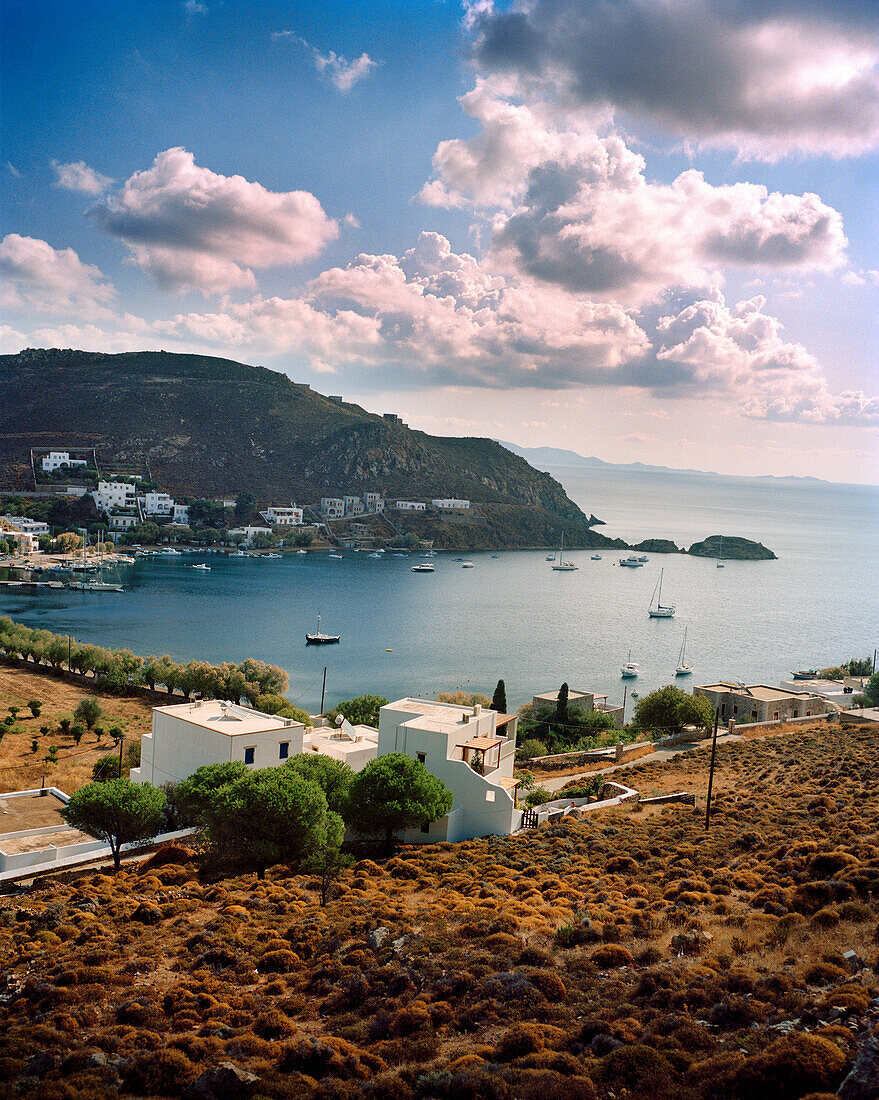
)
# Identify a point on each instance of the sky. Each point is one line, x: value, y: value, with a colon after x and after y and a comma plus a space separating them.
x: 644, y: 230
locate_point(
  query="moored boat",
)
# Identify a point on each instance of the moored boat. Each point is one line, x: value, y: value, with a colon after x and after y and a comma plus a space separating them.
x: 319, y: 638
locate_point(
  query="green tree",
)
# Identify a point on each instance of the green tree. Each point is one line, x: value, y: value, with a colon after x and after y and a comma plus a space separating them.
x: 667, y: 710
x: 332, y: 776
x: 395, y: 792
x: 194, y: 794
x: 88, y: 710
x: 77, y: 732
x: 871, y: 690
x: 561, y: 705
x: 363, y: 710
x: 463, y: 698
x: 244, y: 505
x: 499, y: 699
x: 277, y: 704
x: 327, y: 862
x: 303, y: 538
x: 859, y: 666
x: 35, y: 707
x: 118, y: 812
x: 106, y: 768
x: 207, y: 513
x: 269, y: 816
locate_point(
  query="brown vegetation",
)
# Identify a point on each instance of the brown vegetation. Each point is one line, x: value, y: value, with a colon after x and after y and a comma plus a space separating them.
x: 630, y: 954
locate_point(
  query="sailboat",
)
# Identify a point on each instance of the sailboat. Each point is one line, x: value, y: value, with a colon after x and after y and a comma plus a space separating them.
x: 660, y: 610
x: 683, y: 668
x: 560, y: 565
x: 720, y: 564
x: 630, y: 669
x: 321, y: 639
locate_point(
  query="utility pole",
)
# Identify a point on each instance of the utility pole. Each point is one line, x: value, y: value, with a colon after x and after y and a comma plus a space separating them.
x: 625, y: 693
x: 323, y: 690
x: 711, y: 775
x: 68, y: 653
x: 121, y: 743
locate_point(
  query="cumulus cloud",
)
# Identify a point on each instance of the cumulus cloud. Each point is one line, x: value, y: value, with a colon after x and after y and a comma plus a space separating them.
x: 35, y: 276
x: 770, y: 79
x: 740, y: 351
x: 342, y: 73
x: 577, y: 209
x: 77, y: 176
x: 194, y: 229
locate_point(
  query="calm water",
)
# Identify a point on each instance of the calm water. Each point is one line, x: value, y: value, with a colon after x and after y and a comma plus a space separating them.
x: 511, y: 616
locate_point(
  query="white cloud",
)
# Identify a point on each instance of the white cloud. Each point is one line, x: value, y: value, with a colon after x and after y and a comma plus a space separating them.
x: 195, y: 7
x: 34, y: 276
x: 192, y: 228
x: 77, y: 176
x: 769, y: 80
x: 741, y: 352
x: 342, y: 73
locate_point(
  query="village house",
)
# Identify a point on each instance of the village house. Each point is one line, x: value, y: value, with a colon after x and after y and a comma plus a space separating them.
x: 249, y: 533
x: 353, y: 506
x: 580, y: 703
x: 35, y: 527
x: 185, y: 736
x: 279, y: 516
x: 157, y: 504
x: 374, y: 503
x: 451, y: 504
x: 759, y: 702
x: 332, y: 507
x: 411, y: 506
x: 57, y: 460
x: 114, y: 494
x: 472, y: 750
x: 122, y: 521
x: 836, y: 692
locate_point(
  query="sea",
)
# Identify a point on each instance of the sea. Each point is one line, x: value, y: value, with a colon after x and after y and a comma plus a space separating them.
x: 512, y: 616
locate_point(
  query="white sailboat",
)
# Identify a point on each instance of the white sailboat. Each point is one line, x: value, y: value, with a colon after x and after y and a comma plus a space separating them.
x: 720, y: 563
x: 657, y: 609
x: 630, y: 669
x: 560, y: 565
x: 319, y: 638
x: 683, y: 668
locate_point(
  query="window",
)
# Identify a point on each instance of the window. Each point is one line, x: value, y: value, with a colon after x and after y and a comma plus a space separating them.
x: 283, y: 750
x: 249, y: 755
x: 425, y: 828
x: 420, y: 757
x: 775, y: 716
x: 735, y: 709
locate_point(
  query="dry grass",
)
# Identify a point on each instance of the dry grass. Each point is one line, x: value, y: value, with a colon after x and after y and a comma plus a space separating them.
x: 630, y: 954
x: 20, y: 768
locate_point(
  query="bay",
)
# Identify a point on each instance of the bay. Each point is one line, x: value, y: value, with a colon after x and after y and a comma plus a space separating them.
x: 511, y: 616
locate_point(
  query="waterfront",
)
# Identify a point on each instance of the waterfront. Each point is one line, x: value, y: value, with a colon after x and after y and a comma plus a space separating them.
x: 511, y: 616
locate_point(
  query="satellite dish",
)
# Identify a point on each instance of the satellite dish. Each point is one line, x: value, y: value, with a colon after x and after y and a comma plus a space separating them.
x: 340, y: 718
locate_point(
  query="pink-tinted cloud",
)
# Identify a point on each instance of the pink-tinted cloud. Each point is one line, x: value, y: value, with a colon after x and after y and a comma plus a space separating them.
x: 342, y: 73
x: 35, y: 276
x: 193, y: 229
x: 78, y: 176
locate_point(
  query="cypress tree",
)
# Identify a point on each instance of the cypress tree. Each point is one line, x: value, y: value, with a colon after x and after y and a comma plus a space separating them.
x: 499, y: 699
x: 561, y: 707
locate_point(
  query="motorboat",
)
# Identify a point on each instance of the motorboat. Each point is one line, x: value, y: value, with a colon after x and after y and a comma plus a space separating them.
x: 720, y: 562
x: 319, y: 638
x: 596, y: 557
x: 657, y: 609
x: 467, y: 565
x: 204, y: 568
x: 424, y: 567
x: 375, y: 554
x: 630, y: 669
x: 95, y: 586
x: 642, y: 558
x: 632, y: 562
x: 683, y: 668
x: 337, y: 556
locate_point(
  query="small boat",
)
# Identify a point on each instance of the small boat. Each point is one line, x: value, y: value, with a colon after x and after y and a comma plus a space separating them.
x: 642, y: 558
x: 467, y: 565
x: 495, y: 555
x: 319, y: 638
x: 301, y: 551
x: 596, y: 557
x: 203, y: 568
x: 430, y: 553
x: 457, y: 559
x: 683, y: 668
x: 271, y: 555
x: 635, y: 695
x: 805, y: 674
x: 630, y: 669
x: 632, y: 562
x: 424, y: 567
x: 338, y: 556
x: 95, y: 586
x: 550, y: 557
x: 375, y: 554
x: 720, y: 561
x: 562, y: 566
x: 660, y: 610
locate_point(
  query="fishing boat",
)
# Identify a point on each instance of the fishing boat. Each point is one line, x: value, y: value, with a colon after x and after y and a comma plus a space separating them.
x: 630, y: 669
x: 683, y: 668
x: 596, y: 557
x: 632, y: 562
x: 467, y: 565
x: 562, y: 566
x: 318, y: 638
x: 95, y: 586
x: 375, y: 554
x: 336, y: 556
x: 657, y: 609
x: 495, y: 555
x: 424, y: 567
x: 202, y: 567
x: 550, y: 557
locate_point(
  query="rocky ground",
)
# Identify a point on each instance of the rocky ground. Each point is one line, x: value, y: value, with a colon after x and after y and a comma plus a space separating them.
x: 627, y: 955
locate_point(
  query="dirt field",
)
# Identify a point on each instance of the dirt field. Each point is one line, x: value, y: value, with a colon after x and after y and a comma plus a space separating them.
x: 20, y: 767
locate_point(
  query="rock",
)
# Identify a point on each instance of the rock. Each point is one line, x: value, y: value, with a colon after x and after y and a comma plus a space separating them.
x: 862, y: 1082
x: 97, y: 1059
x: 785, y: 1027
x: 38, y: 1065
x: 377, y: 937
x: 853, y: 961
x: 600, y: 1045
x: 223, y: 1082
x: 147, y: 914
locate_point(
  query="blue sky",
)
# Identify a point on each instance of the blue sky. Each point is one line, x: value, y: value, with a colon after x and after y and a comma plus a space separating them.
x: 648, y: 235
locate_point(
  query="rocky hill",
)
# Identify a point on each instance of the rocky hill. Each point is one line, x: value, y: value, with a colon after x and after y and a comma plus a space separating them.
x: 203, y: 426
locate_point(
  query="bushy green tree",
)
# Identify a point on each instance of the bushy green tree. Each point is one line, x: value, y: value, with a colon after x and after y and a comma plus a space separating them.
x: 871, y: 690
x: 277, y: 704
x: 118, y: 812
x: 88, y: 711
x: 332, y: 776
x: 106, y: 768
x: 392, y: 793
x: 363, y: 710
x: 270, y: 816
x: 194, y: 793
x: 667, y: 710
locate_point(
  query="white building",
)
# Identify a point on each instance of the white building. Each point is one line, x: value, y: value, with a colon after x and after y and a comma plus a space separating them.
x: 374, y: 503
x: 471, y: 750
x: 833, y: 691
x: 451, y: 504
x: 353, y: 506
x: 121, y: 521
x: 187, y: 735
x: 332, y: 507
x: 25, y: 543
x: 250, y: 533
x: 411, y: 506
x: 35, y: 527
x: 181, y: 514
x: 54, y: 460
x: 283, y: 517
x: 114, y: 494
x: 157, y: 504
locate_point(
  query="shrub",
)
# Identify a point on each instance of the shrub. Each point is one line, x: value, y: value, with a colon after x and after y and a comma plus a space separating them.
x: 77, y: 732
x: 521, y: 1039
x: 611, y: 955
x: 639, y: 1070
x: 35, y: 707
x: 790, y: 1067
x: 160, y: 1072
x: 88, y: 710
x: 531, y: 748
x: 538, y: 796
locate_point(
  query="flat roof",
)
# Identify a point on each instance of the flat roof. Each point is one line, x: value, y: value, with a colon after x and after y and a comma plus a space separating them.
x: 553, y: 696
x: 762, y: 692
x: 30, y: 810
x: 228, y: 718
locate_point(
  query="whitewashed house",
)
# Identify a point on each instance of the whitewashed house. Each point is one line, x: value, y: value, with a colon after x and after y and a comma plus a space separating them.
x: 249, y: 533
x: 55, y: 460
x: 471, y: 750
x: 114, y: 494
x: 157, y: 504
x: 411, y: 506
x: 451, y: 504
x: 279, y: 516
x: 181, y: 514
x: 185, y: 736
x: 35, y: 527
